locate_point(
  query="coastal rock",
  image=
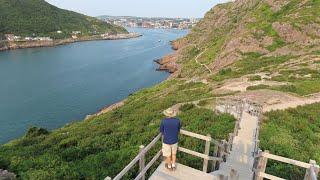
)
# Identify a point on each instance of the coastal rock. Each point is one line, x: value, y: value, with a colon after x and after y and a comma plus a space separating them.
x: 5, y: 175
x: 168, y: 63
x: 109, y: 108
x: 178, y: 44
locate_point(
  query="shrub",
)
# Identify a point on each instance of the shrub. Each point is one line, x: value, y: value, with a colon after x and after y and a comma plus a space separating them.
x: 186, y: 107
x: 293, y: 133
x: 35, y: 131
x: 261, y: 86
x: 255, y: 78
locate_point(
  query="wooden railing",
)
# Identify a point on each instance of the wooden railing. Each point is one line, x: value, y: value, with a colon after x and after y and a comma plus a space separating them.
x: 220, y: 151
x: 234, y: 107
x: 312, y: 169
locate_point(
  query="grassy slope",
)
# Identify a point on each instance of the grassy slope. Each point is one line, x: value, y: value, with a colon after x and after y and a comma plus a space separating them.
x: 25, y: 17
x: 294, y: 133
x: 102, y: 146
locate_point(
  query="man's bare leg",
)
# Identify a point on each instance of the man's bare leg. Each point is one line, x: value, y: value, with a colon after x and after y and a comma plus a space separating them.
x: 174, y: 158
x: 168, y: 161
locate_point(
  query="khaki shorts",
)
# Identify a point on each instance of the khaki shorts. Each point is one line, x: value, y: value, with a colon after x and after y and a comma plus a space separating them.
x: 168, y: 150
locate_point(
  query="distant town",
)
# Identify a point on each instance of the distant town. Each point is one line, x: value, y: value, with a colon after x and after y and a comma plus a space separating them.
x: 157, y: 23
x: 125, y: 21
x: 74, y: 35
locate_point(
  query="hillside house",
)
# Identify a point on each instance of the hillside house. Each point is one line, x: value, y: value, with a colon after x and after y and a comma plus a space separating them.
x: 10, y: 37
x: 76, y: 32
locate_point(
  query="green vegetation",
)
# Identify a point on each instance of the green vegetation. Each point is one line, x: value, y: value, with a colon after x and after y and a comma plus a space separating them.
x: 37, y: 16
x: 186, y: 107
x: 303, y: 81
x: 252, y: 63
x: 34, y: 132
x: 294, y: 133
x: 255, y: 78
x: 261, y: 86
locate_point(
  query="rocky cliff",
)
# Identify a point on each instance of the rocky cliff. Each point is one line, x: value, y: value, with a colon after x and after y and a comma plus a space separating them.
x: 268, y: 28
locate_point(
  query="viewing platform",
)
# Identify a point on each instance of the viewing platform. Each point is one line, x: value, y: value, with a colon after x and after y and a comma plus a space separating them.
x: 182, y: 172
x: 239, y: 158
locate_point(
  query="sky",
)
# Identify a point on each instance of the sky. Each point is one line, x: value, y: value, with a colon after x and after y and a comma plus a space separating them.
x: 142, y: 8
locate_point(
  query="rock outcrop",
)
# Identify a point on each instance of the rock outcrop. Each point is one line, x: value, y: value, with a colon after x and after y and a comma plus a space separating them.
x: 5, y: 175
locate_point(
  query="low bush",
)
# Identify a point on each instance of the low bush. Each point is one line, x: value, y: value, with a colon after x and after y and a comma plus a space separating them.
x: 293, y: 133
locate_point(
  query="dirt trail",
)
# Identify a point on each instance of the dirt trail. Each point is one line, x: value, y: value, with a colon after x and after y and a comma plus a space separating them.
x: 315, y: 98
x: 198, y: 56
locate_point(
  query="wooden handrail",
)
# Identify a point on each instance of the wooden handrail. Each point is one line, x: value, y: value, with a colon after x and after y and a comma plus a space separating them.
x: 286, y: 160
x: 153, y: 160
x: 200, y: 155
x: 137, y: 158
x: 269, y: 176
x: 144, y: 150
x: 199, y: 136
x: 311, y: 172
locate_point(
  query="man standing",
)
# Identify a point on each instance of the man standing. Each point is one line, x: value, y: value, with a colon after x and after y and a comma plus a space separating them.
x: 170, y: 128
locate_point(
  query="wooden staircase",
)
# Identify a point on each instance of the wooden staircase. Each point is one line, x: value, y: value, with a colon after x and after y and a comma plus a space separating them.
x: 241, y: 158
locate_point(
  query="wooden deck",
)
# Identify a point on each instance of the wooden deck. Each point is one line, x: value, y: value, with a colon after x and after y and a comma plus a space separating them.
x: 182, y: 172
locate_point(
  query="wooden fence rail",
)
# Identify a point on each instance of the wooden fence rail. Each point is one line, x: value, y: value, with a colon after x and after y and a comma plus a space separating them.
x: 312, y: 169
x: 205, y: 156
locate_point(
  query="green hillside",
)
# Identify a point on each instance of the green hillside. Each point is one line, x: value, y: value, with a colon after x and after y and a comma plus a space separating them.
x: 270, y: 47
x: 25, y: 17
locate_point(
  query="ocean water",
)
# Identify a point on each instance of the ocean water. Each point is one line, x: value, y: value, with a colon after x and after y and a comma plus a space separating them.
x: 49, y: 87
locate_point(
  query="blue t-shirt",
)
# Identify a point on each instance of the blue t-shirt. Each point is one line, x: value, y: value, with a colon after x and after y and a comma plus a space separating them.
x: 170, y: 128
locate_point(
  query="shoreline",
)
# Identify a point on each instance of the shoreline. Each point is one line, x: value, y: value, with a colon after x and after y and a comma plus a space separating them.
x: 14, y: 45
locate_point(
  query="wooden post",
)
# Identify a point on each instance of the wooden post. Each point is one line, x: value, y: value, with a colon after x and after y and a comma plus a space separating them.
x: 262, y: 164
x: 233, y: 175
x: 215, y: 154
x: 230, y: 141
x: 237, y: 127
x: 220, y: 152
x: 225, y: 145
x: 257, y: 147
x: 312, y: 173
x: 142, y: 162
x: 206, y: 152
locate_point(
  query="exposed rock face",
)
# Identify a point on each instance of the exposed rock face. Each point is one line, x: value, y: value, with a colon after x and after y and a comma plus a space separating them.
x: 178, y: 44
x: 5, y: 175
x: 226, y: 60
x: 290, y: 34
x: 168, y: 63
x: 312, y: 29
